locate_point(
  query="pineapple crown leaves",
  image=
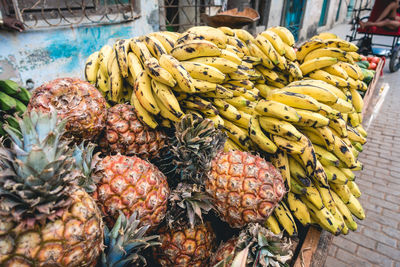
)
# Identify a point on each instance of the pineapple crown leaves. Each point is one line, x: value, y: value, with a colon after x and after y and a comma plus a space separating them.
x: 187, y: 203
x: 36, y: 173
x: 85, y: 162
x: 196, y: 143
x: 125, y: 240
x: 258, y: 247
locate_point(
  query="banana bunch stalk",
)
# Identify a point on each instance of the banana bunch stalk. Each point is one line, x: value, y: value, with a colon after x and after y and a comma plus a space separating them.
x: 13, y: 101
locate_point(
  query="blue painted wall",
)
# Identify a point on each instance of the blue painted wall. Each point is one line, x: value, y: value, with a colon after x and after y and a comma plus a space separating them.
x: 43, y: 55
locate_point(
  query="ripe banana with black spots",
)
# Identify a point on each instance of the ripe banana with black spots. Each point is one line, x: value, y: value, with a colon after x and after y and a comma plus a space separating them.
x: 104, y: 55
x: 285, y: 35
x: 351, y: 70
x: 239, y: 45
x: 165, y: 111
x: 319, y: 93
x: 281, y: 162
x: 290, y: 146
x: 267, y: 48
x: 210, y: 34
x: 298, y: 208
x: 275, y: 40
x: 228, y: 31
x: 311, y: 119
x: 354, y: 189
x: 295, y: 100
x: 317, y: 63
x: 337, y: 71
x: 140, y: 49
x: 195, y: 48
x: 280, y: 127
x: 134, y: 65
x: 277, y: 110
x: 327, y: 52
x: 256, y: 51
x: 167, y: 97
x: 325, y: 157
x: 329, y: 78
x: 179, y: 73
x: 122, y: 48
x: 226, y: 110
x: 144, y: 93
x: 115, y: 82
x: 219, y: 92
x: 92, y: 67
x: 203, y: 72
x: 272, y: 224
x: 222, y: 64
x: 166, y: 40
x: 297, y: 172
x: 285, y: 218
x: 154, y: 46
x: 158, y: 73
x: 239, y: 135
x: 295, y: 70
x: 142, y: 113
x: 257, y: 136
x: 342, y: 44
x: 342, y: 208
x: 307, y: 47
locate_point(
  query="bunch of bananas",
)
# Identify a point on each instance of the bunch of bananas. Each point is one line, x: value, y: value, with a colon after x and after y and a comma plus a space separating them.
x: 13, y: 100
x: 253, y: 89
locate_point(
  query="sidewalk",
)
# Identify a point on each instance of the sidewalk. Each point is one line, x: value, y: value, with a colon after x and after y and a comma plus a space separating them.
x: 377, y: 239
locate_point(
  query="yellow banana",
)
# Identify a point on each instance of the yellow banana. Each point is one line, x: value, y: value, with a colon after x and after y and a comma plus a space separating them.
x: 210, y: 34
x: 290, y: 54
x: 239, y: 45
x: 351, y: 70
x: 122, y: 48
x: 348, y: 219
x: 290, y: 146
x: 228, y: 31
x: 355, y: 136
x: 298, y: 208
x: 275, y: 40
x: 165, y: 111
x: 355, y: 207
x: 329, y: 78
x: 243, y: 35
x: 317, y: 63
x: 311, y: 119
x: 155, y: 71
x: 353, y: 187
x: 196, y: 48
x: 272, y: 224
x: 277, y: 110
x: 102, y: 82
x: 244, y: 120
x: 226, y: 110
x: 219, y: 92
x: 335, y: 175
x: 140, y: 49
x: 339, y: 125
x: 237, y: 134
x: 281, y: 162
x: 342, y: 106
x: 230, y: 56
x: 295, y: 70
x: 337, y: 71
x: 319, y: 93
x: 203, y: 72
x: 144, y: 93
x: 325, y: 157
x: 285, y: 35
x: 238, y: 101
x: 267, y: 48
x: 307, y: 47
x: 342, y: 44
x: 280, y: 127
x: 234, y: 50
x: 104, y: 55
x: 166, y: 40
x: 252, y: 60
x: 222, y: 64
x: 231, y: 145
x: 258, y: 137
x: 285, y: 218
x: 264, y: 89
x: 179, y: 73
x: 357, y: 100
x: 324, y: 36
x: 167, y: 97
x: 329, y: 112
x: 297, y: 172
x: 142, y: 113
x: 154, y: 46
x: 115, y: 79
x: 327, y: 52
x: 255, y: 51
x: 92, y: 67
x: 134, y: 65
x: 295, y: 100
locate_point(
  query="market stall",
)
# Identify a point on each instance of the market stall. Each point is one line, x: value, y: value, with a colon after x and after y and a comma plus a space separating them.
x: 211, y: 146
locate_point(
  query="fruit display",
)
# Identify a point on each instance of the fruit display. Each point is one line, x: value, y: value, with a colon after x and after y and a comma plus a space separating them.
x: 13, y: 101
x: 213, y: 147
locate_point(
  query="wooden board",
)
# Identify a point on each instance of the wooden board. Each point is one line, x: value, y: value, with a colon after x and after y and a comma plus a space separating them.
x: 371, y: 91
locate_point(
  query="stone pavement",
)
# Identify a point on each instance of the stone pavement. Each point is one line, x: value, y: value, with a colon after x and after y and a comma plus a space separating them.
x: 377, y: 239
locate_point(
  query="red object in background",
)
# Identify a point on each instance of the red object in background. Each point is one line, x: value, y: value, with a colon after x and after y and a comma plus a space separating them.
x: 375, y: 60
x: 372, y: 66
x: 363, y: 58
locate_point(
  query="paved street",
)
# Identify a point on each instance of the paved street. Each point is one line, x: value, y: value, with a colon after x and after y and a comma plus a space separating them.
x: 377, y: 240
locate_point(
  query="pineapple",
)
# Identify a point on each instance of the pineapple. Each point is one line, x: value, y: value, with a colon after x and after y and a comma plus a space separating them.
x: 127, y: 135
x: 45, y: 218
x: 255, y: 246
x: 130, y: 184
x: 125, y: 241
x: 75, y: 100
x: 244, y: 188
x: 185, y: 239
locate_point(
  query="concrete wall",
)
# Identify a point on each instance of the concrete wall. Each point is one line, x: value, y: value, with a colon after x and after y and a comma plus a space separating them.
x: 42, y: 55
x: 275, y: 13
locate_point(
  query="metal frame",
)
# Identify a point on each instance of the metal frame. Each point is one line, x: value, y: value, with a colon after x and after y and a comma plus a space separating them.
x: 75, y: 13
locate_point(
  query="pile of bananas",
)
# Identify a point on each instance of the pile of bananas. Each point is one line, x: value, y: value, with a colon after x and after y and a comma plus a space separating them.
x: 253, y: 89
x: 13, y: 101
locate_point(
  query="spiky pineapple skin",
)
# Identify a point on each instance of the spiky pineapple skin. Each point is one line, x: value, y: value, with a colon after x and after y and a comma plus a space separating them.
x: 127, y: 135
x: 245, y: 188
x: 183, y: 246
x: 78, y: 101
x: 131, y: 184
x: 75, y: 238
x: 223, y: 251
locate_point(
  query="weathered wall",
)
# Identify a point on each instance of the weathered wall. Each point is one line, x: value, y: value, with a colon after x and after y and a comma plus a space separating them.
x: 42, y: 55
x: 275, y: 13
x: 312, y: 12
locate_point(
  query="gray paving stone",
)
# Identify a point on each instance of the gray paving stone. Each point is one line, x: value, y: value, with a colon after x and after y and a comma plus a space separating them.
x: 345, y: 244
x: 391, y: 252
x: 374, y: 257
x: 378, y: 236
x: 334, y: 262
